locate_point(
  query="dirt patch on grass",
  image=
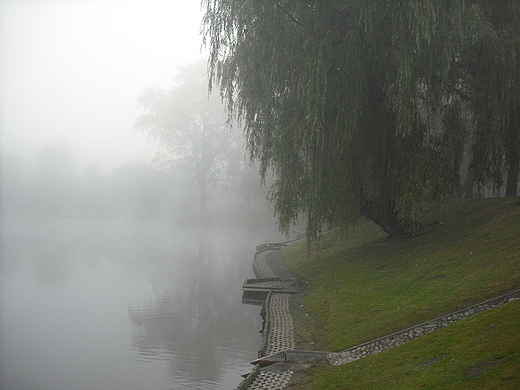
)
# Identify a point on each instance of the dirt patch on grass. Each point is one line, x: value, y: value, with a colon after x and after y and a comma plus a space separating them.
x: 431, y: 361
x: 479, y: 368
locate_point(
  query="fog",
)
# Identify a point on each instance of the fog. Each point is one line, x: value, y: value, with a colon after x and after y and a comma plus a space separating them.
x: 110, y: 275
x: 53, y: 183
x: 71, y: 72
x: 71, y: 75
x: 97, y: 303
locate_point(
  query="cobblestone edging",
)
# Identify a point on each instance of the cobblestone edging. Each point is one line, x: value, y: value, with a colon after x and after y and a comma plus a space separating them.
x: 270, y: 380
x: 260, y: 267
x: 250, y: 378
x: 397, y: 338
x: 266, y: 315
x: 278, y: 331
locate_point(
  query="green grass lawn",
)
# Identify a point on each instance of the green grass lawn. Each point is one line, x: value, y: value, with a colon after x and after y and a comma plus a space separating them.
x: 365, y: 285
x: 480, y: 352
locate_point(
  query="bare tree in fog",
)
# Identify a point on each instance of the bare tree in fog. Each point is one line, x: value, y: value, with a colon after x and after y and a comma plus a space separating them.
x: 191, y: 127
x: 248, y: 186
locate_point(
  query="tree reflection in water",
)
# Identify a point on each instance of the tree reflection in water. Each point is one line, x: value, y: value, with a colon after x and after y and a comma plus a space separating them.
x: 197, y: 325
x: 117, y: 302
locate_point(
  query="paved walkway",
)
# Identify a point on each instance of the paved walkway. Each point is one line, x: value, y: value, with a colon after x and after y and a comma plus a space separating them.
x: 280, y: 335
x: 260, y: 267
x: 280, y: 330
x: 270, y: 381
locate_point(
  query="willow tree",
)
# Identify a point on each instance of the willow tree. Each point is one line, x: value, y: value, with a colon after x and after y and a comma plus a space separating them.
x: 492, y: 86
x: 352, y: 104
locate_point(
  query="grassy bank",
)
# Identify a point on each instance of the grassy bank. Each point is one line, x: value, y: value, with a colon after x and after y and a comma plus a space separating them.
x: 365, y: 286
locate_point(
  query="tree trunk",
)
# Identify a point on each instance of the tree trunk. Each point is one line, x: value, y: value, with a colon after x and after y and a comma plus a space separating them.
x: 202, y: 194
x: 512, y: 178
x: 469, y: 183
x: 383, y: 216
x: 512, y: 147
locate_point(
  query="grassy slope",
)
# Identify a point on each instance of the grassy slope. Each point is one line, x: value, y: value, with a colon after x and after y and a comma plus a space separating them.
x: 481, y: 352
x: 368, y: 286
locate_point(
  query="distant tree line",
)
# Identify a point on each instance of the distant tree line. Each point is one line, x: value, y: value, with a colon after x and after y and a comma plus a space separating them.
x: 201, y: 160
x: 371, y: 108
x: 51, y: 183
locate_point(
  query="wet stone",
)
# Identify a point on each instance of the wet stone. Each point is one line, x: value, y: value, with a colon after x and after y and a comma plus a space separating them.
x: 280, y: 331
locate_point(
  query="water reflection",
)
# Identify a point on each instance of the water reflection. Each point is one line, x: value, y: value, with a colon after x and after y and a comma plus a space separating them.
x: 195, y: 325
x: 125, y: 304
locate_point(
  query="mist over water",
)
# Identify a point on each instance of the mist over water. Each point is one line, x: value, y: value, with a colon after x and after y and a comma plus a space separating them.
x: 98, y: 288
x: 91, y: 303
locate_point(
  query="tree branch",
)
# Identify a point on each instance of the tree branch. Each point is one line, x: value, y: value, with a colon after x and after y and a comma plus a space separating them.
x: 289, y: 15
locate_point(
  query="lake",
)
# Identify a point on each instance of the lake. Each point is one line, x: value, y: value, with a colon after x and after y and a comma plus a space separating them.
x: 93, y: 303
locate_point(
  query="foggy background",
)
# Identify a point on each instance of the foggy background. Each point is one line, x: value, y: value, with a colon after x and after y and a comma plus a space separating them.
x: 100, y: 288
x: 71, y: 73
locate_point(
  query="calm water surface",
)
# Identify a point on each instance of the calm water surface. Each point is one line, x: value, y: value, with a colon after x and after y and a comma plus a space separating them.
x: 125, y: 304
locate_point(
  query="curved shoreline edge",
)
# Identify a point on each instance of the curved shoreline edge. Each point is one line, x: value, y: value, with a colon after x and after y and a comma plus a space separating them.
x: 277, y: 329
x: 281, y: 363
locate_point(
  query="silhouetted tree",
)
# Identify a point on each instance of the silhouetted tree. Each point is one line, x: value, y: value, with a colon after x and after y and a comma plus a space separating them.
x: 490, y: 70
x: 191, y: 127
x: 353, y: 104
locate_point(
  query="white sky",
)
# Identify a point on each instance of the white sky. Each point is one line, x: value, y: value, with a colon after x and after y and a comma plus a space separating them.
x: 71, y: 72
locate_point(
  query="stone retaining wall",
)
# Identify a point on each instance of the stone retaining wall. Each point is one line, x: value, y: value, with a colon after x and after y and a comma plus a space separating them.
x: 277, y: 327
x: 247, y: 382
x: 250, y: 378
x: 265, y: 313
x: 397, y: 338
x: 260, y: 267
x: 260, y: 379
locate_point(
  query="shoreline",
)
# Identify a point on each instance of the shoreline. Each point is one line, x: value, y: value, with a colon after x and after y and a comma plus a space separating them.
x: 308, y: 349
x: 278, y: 327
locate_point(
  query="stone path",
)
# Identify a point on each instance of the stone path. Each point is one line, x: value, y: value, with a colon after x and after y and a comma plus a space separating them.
x: 260, y: 267
x: 270, y: 381
x: 280, y: 330
x: 280, y: 335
